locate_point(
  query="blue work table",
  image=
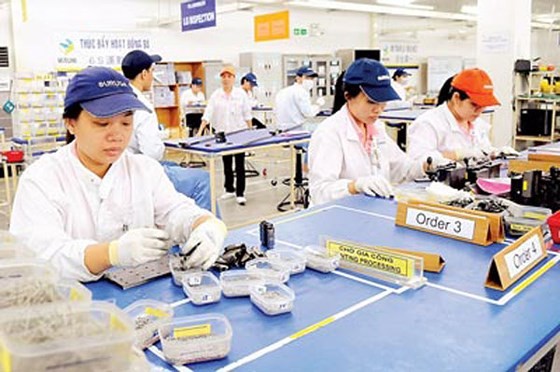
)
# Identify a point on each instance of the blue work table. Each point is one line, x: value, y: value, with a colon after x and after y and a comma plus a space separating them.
x: 344, y: 321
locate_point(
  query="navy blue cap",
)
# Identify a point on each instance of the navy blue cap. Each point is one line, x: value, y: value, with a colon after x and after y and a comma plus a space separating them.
x: 137, y: 61
x: 373, y: 78
x: 102, y: 92
x: 401, y: 72
x: 196, y: 81
x: 251, y: 78
x: 306, y: 71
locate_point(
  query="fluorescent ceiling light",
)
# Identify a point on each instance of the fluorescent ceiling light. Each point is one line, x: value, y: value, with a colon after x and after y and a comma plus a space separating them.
x: 232, y: 7
x: 405, y: 4
x: 469, y: 9
x: 357, y: 7
x: 548, y: 18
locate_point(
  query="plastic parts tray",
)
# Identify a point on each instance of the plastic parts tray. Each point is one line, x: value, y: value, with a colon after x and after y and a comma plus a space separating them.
x: 237, y: 283
x: 272, y: 271
x: 147, y: 316
x: 318, y: 259
x: 554, y: 224
x: 196, y: 338
x: 202, y: 287
x: 273, y: 299
x: 295, y: 260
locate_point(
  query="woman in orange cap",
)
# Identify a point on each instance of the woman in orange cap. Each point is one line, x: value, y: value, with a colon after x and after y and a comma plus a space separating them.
x: 454, y: 130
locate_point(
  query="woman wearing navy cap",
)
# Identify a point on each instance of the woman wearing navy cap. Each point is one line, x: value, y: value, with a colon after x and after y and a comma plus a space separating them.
x: 92, y: 205
x: 350, y: 152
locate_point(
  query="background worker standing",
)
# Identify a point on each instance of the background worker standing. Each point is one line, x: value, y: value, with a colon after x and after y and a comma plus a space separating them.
x: 229, y: 110
x: 138, y: 67
x: 194, y: 96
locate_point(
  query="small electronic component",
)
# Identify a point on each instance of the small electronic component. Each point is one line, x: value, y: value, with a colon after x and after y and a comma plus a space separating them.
x: 267, y: 234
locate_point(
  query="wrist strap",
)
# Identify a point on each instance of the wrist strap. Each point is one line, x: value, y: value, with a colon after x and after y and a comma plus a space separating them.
x: 113, y: 254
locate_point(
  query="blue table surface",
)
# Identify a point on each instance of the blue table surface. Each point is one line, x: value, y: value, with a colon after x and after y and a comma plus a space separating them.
x: 451, y: 323
x: 256, y: 137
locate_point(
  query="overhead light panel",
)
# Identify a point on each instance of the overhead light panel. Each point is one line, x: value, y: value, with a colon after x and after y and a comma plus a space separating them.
x: 405, y: 4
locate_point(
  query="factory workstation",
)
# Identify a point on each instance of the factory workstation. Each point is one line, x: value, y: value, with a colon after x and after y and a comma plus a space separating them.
x: 269, y: 185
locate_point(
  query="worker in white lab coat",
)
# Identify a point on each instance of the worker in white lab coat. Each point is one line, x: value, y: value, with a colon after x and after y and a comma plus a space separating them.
x: 248, y: 84
x: 229, y: 110
x: 454, y: 130
x: 147, y: 138
x: 350, y: 152
x: 293, y: 104
x: 93, y: 205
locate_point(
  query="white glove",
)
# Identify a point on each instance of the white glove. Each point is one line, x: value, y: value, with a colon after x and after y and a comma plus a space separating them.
x: 138, y: 246
x: 205, y: 244
x: 320, y: 101
x: 374, y: 186
x: 437, y: 161
x: 469, y: 152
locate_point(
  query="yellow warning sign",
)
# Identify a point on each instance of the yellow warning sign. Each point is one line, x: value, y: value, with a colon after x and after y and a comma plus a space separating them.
x: 369, y: 257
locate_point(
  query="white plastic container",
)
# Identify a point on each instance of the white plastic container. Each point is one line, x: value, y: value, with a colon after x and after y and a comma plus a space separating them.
x: 67, y: 336
x: 196, y: 338
x: 202, y: 287
x: 318, y: 258
x: 237, y: 283
x: 295, y: 260
x: 273, y: 299
x: 147, y: 316
x: 177, y: 272
x: 272, y: 271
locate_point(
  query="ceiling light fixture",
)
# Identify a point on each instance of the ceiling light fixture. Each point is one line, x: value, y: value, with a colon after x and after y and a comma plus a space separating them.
x: 357, y: 7
x: 405, y: 4
x: 469, y: 9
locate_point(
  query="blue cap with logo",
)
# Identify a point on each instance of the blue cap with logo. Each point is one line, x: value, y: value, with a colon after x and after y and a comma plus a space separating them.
x: 251, y: 78
x: 306, y: 71
x: 196, y: 81
x: 102, y: 92
x: 137, y: 61
x: 401, y: 72
x: 373, y: 78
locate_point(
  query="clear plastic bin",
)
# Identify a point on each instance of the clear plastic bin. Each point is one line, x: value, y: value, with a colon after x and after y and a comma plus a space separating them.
x: 517, y: 226
x: 273, y: 299
x: 196, y: 338
x: 27, y: 282
x: 69, y: 337
x: 177, y: 271
x: 202, y: 287
x: 318, y: 259
x: 270, y: 270
x: 147, y: 316
x: 237, y: 283
x: 295, y: 260
x: 12, y: 250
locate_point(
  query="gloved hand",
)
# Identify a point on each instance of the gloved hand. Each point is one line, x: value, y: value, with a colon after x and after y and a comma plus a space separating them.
x: 320, y: 101
x: 138, y: 246
x: 469, y: 152
x: 374, y: 186
x: 435, y: 161
x: 205, y: 244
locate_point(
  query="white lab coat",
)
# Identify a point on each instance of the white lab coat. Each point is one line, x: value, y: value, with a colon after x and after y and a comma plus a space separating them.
x: 147, y: 138
x: 61, y: 207
x: 293, y: 106
x: 227, y: 113
x: 399, y: 88
x: 252, y: 99
x: 336, y: 157
x: 436, y: 131
x: 189, y: 98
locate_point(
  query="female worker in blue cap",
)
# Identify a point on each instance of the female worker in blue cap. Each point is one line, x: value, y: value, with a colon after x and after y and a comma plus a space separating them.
x: 350, y: 152
x: 93, y: 205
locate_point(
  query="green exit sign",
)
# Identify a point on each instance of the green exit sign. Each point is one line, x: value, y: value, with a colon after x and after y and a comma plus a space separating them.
x: 301, y: 31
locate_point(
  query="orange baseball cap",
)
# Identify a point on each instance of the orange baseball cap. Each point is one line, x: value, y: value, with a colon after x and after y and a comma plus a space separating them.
x: 229, y: 69
x: 478, y: 86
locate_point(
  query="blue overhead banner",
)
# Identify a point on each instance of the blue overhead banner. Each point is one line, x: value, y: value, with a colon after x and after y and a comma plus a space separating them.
x: 196, y: 14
